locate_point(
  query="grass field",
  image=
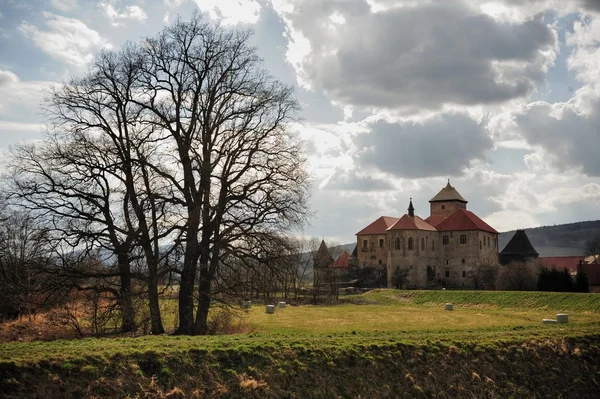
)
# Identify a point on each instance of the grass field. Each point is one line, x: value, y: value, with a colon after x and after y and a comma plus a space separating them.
x: 384, y: 330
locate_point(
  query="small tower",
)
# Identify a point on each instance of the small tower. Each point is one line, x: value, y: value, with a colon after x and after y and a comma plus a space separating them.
x: 411, y: 209
x: 446, y: 202
x: 322, y: 258
x: 518, y: 249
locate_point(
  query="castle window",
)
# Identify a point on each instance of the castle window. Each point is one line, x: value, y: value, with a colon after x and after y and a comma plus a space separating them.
x: 463, y: 239
x: 381, y: 243
x: 443, y: 206
x: 380, y: 261
x: 422, y: 244
x: 447, y: 273
x: 410, y: 243
x: 446, y: 262
x: 464, y: 274
x: 397, y: 242
x: 445, y: 240
x: 480, y: 244
x: 463, y: 260
x: 365, y: 243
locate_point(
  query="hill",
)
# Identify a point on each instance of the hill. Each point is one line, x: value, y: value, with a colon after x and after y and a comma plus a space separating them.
x: 559, y: 240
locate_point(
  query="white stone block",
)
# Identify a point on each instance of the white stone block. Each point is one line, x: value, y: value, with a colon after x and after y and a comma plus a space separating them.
x: 270, y: 309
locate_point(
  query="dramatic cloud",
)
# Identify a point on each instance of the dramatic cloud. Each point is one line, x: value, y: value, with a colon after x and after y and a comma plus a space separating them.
x: 439, y: 146
x: 231, y: 12
x: 7, y: 78
x: 67, y: 39
x: 354, y: 181
x: 65, y: 5
x: 128, y: 13
x: 570, y: 131
x: 425, y: 55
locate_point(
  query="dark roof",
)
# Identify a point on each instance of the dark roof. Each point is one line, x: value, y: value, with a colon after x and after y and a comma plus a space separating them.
x: 448, y: 193
x: 463, y: 220
x: 379, y: 226
x: 323, y: 255
x: 408, y: 222
x: 519, y: 245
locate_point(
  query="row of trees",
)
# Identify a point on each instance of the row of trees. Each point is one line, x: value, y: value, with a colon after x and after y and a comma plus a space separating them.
x: 171, y: 160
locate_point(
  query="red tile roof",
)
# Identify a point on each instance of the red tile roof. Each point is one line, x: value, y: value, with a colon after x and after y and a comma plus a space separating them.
x: 407, y: 222
x: 342, y: 261
x: 561, y: 262
x: 434, y: 220
x: 463, y: 220
x: 379, y: 226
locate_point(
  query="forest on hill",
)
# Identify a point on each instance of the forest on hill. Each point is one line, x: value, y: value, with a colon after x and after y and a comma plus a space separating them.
x: 558, y: 240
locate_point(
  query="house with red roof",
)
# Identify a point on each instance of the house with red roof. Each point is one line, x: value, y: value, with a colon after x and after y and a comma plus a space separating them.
x: 444, y: 249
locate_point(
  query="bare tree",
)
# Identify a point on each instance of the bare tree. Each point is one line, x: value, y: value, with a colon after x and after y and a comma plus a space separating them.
x: 592, y: 248
x: 518, y: 276
x: 240, y: 173
x: 177, y: 143
x: 24, y: 254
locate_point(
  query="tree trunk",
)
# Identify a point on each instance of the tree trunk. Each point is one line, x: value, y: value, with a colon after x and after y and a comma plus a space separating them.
x: 186, y: 298
x: 153, y: 300
x: 201, y: 325
x: 126, y: 295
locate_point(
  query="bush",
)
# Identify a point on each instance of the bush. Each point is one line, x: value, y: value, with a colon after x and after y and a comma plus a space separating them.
x: 518, y: 276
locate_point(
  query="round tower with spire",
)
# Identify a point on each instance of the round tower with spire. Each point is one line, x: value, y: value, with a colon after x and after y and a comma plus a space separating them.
x: 446, y: 202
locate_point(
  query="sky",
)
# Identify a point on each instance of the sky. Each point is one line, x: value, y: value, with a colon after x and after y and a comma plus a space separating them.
x: 398, y: 96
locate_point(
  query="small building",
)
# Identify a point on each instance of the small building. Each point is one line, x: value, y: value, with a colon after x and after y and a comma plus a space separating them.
x: 518, y: 249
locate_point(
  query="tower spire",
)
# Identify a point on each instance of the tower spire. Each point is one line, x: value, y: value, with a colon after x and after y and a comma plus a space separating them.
x: 411, y: 208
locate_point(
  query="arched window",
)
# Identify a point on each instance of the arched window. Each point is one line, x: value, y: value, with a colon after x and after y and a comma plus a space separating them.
x: 397, y: 243
x: 410, y: 243
x: 422, y: 243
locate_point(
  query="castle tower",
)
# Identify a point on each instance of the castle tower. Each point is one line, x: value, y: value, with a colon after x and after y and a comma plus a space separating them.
x: 446, y: 202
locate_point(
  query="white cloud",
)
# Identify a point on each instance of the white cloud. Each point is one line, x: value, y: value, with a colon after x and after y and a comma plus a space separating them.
x: 20, y: 99
x: 231, y: 12
x: 65, y: 5
x: 115, y: 16
x: 423, y: 55
x: 67, y: 39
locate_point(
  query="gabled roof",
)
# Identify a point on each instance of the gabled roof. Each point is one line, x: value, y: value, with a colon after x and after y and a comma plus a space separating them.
x: 342, y: 261
x: 379, y: 226
x: 448, y: 193
x: 561, y: 262
x: 519, y: 245
x: 408, y: 222
x: 463, y: 220
x: 434, y: 220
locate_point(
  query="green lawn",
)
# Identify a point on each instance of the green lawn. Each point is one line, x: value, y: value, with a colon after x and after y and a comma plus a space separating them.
x: 381, y: 316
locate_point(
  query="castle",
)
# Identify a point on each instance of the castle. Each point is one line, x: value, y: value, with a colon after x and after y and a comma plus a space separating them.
x: 445, y: 249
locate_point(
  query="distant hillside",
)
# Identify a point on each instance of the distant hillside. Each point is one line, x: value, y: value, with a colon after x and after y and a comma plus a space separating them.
x: 560, y: 240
